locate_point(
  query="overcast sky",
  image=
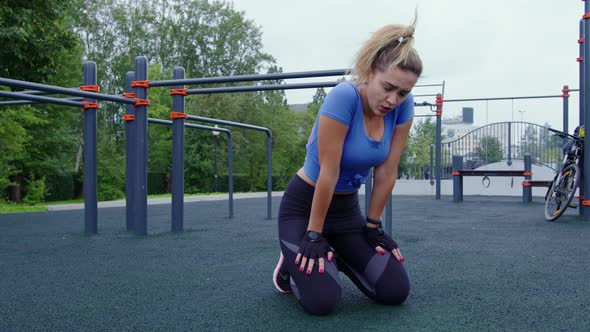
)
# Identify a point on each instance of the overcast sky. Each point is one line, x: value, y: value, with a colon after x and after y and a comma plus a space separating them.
x: 479, y: 48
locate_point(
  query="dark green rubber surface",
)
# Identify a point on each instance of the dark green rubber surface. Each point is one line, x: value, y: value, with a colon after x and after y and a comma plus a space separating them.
x: 489, y: 263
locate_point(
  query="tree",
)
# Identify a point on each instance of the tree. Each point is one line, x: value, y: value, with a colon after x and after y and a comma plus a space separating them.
x: 489, y: 150
x: 37, y: 138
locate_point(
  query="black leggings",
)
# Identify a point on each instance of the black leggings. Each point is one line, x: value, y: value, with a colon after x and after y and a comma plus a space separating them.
x: 382, y: 278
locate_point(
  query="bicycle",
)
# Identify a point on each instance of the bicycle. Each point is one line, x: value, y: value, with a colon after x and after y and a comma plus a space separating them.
x: 563, y: 187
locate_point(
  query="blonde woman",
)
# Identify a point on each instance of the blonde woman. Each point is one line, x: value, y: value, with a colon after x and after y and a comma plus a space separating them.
x: 361, y: 124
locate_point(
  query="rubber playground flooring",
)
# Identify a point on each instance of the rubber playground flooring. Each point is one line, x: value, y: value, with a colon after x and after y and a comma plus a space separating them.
x: 489, y: 263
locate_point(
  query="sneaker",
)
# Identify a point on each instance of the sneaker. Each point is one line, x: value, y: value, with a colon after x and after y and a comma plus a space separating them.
x: 281, y: 277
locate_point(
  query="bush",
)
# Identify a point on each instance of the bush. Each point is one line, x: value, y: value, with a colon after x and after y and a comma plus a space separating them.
x: 109, y: 192
x: 35, y: 191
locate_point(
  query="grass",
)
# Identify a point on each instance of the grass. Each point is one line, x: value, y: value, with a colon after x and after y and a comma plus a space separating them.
x: 9, y: 207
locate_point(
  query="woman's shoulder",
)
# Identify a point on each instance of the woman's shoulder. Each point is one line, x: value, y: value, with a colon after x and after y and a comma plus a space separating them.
x: 346, y: 87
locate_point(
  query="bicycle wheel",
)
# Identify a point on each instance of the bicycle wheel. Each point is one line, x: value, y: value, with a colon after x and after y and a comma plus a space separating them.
x: 561, y: 192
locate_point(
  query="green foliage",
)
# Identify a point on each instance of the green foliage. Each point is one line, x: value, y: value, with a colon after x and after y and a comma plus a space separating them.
x: 489, y: 150
x: 36, y: 191
x: 417, y: 150
x: 39, y: 34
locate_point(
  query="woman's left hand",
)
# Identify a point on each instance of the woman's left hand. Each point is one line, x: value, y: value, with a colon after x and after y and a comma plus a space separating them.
x: 379, y: 240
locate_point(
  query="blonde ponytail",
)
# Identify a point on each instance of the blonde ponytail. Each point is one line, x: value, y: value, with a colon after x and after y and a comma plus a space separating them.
x: 391, y: 46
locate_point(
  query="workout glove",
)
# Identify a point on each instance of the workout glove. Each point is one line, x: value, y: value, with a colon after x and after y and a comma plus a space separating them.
x: 377, y: 237
x: 314, y: 246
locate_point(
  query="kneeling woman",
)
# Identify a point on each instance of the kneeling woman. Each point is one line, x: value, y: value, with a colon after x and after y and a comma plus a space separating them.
x: 361, y: 124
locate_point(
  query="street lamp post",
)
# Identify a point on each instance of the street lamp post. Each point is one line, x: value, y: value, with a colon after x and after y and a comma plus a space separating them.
x: 216, y: 135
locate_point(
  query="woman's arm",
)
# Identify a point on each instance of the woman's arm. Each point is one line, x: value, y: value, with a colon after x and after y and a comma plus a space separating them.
x: 331, y: 135
x: 386, y: 173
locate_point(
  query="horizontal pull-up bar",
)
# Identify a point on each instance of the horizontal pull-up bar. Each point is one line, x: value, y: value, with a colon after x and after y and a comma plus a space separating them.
x: 40, y: 99
x: 35, y: 92
x: 249, y: 78
x: 189, y: 125
x: 503, y: 98
x: 28, y: 102
x: 250, y: 88
x: 60, y: 90
x: 228, y: 123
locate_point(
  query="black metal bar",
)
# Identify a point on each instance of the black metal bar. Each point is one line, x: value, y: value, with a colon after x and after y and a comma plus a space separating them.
x: 64, y: 91
x: 30, y: 102
x: 491, y: 173
x: 249, y: 78
x: 250, y: 88
x: 502, y: 98
x: 41, y: 99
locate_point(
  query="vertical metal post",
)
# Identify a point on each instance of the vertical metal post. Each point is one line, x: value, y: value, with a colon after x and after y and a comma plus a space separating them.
x: 457, y: 179
x: 230, y: 172
x: 90, y: 151
x: 140, y: 195
x: 582, y: 72
x: 566, y: 97
x: 368, y: 190
x: 178, y: 106
x: 586, y: 68
x: 582, y: 102
x: 510, y: 143
x: 431, y: 170
x: 130, y: 162
x: 527, y: 191
x: 215, y: 162
x: 269, y: 175
x: 439, y: 104
x: 389, y: 215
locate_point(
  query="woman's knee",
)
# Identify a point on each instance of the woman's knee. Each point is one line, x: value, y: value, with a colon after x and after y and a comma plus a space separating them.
x: 321, y: 304
x: 393, y: 288
x: 392, y: 294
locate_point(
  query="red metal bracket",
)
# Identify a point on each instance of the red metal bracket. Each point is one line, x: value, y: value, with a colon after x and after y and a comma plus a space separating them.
x: 141, y: 84
x: 128, y: 117
x: 90, y: 88
x: 178, y: 115
x: 88, y: 105
x: 181, y: 92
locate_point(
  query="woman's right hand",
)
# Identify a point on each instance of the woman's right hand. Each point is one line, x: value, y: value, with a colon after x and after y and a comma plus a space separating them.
x: 313, y: 247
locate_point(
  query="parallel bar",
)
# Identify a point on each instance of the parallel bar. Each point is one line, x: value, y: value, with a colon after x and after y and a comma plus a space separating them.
x: 40, y: 99
x: 502, y: 98
x: 64, y: 91
x: 30, y: 102
x: 227, y: 123
x: 90, y: 152
x: 35, y: 92
x: 187, y: 125
x: 268, y: 148
x: 130, y: 162
x: 250, y: 88
x: 249, y: 78
x: 472, y: 172
x: 230, y: 165
x: 140, y: 172
x: 178, y: 106
x: 427, y: 85
x: 426, y: 95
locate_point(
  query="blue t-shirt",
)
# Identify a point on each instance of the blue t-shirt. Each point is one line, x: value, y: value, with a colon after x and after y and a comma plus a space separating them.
x: 360, y: 152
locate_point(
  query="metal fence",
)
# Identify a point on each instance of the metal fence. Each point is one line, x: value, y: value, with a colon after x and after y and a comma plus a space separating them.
x: 503, y: 142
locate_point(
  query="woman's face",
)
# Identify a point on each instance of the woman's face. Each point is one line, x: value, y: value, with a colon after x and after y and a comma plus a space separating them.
x: 385, y: 90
